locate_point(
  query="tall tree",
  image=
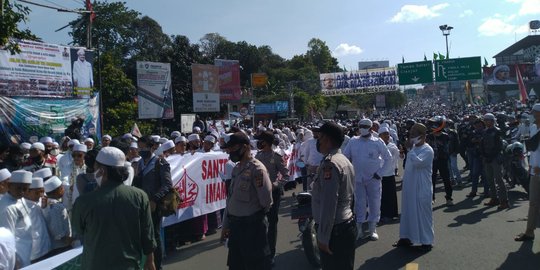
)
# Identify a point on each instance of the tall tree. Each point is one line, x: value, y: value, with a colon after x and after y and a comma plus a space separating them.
x: 321, y: 56
x: 112, y: 30
x: 12, y: 15
x: 209, y: 45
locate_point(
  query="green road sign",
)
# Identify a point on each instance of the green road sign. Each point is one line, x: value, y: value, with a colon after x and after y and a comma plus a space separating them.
x: 415, y: 73
x: 458, y: 69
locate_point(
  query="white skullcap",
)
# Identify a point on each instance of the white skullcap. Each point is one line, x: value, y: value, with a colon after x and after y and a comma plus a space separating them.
x: 107, y: 137
x: 536, y: 107
x: 193, y: 137
x: 21, y: 177
x: 197, y: 129
x: 175, y: 134
x: 38, y: 146
x: 4, y: 175
x: 134, y: 145
x: 111, y: 156
x: 74, y: 141
x: 46, y: 140
x: 80, y: 51
x: 167, y: 145
x: 210, y: 138
x: 127, y: 136
x: 162, y: 140
x: 43, y: 173
x: 155, y: 138
x: 52, y: 184
x: 89, y: 140
x: 80, y: 148
x: 180, y: 139
x: 384, y: 130
x: 385, y: 125
x: 55, y: 144
x: 365, y: 122
x: 36, y: 183
x: 26, y: 145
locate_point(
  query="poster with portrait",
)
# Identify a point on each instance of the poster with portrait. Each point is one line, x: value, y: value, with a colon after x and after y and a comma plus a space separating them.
x: 46, y: 70
x: 205, y: 88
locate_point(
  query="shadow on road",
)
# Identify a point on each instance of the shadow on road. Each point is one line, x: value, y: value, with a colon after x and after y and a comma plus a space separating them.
x: 292, y: 259
x: 192, y: 250
x: 473, y: 217
x: 524, y: 258
x: 396, y: 258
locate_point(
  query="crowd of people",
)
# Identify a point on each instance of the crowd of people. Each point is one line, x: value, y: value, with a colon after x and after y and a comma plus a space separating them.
x: 59, y: 195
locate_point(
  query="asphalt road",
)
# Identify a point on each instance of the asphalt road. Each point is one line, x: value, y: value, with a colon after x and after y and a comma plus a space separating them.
x: 468, y: 235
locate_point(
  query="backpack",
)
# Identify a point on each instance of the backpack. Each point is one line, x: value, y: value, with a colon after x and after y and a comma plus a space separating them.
x: 172, y: 199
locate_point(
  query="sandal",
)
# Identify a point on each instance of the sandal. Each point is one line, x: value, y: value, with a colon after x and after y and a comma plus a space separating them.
x: 403, y: 242
x: 523, y: 237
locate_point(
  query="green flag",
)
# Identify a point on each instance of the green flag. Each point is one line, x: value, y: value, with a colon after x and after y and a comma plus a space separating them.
x: 402, y: 59
x: 441, y: 57
x: 485, y: 62
x: 434, y: 56
x: 425, y: 58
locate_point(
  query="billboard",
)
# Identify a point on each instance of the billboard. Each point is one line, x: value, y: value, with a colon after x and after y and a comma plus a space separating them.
x: 501, y: 81
x: 205, y: 88
x: 46, y: 70
x: 361, y: 81
x: 22, y: 118
x: 229, y: 79
x: 154, y: 91
x: 259, y: 79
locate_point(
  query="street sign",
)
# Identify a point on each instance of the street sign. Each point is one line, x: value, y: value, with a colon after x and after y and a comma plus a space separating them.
x: 244, y: 111
x: 415, y: 73
x: 458, y: 69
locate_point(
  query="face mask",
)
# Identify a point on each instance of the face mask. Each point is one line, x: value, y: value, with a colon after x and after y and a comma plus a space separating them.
x: 98, y: 175
x: 416, y: 140
x: 236, y: 156
x: 55, y: 152
x: 145, y: 154
x: 364, y: 131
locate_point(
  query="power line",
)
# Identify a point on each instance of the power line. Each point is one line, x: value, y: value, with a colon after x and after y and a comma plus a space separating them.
x: 53, y: 3
x: 79, y: 11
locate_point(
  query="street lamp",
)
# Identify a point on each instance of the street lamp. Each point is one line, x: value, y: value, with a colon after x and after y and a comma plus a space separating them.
x: 446, y: 32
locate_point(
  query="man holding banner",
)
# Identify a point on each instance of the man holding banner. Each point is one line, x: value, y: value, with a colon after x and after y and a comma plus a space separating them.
x: 244, y: 224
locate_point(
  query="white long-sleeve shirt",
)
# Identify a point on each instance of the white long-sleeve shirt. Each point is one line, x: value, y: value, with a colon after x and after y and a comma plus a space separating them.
x: 389, y: 168
x: 368, y: 156
x: 312, y: 157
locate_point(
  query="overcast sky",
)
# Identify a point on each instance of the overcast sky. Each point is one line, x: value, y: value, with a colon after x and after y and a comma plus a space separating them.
x: 355, y: 30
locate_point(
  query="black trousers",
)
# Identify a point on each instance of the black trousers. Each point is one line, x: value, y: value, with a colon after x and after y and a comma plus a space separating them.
x: 443, y: 167
x: 272, y: 216
x: 158, y: 253
x: 248, y: 243
x: 342, y: 244
x: 389, y: 203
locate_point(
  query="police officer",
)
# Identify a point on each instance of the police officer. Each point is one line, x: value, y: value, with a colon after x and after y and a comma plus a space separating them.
x: 244, y: 224
x: 439, y: 141
x: 333, y: 201
x: 274, y: 164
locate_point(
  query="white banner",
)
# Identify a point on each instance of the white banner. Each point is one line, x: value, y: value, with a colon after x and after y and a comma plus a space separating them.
x: 154, y: 90
x: 197, y: 178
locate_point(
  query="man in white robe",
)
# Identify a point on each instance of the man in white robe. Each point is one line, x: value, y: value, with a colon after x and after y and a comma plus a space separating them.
x: 416, y: 226
x: 82, y: 73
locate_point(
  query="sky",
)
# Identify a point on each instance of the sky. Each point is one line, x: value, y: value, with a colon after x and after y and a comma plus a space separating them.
x: 355, y: 30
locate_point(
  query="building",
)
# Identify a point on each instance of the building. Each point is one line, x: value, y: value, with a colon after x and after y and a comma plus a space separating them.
x: 373, y: 64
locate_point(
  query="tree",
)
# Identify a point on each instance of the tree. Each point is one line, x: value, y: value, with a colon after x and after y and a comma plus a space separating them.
x: 321, y: 56
x: 112, y: 30
x: 209, y: 44
x: 11, y: 16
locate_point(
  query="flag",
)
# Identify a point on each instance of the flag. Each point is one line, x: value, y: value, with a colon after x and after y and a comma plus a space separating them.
x: 271, y: 125
x: 135, y: 131
x: 441, y: 57
x: 468, y: 90
x: 91, y: 9
x: 425, y: 58
x: 485, y: 62
x: 434, y: 56
x: 522, y: 89
x: 402, y: 59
